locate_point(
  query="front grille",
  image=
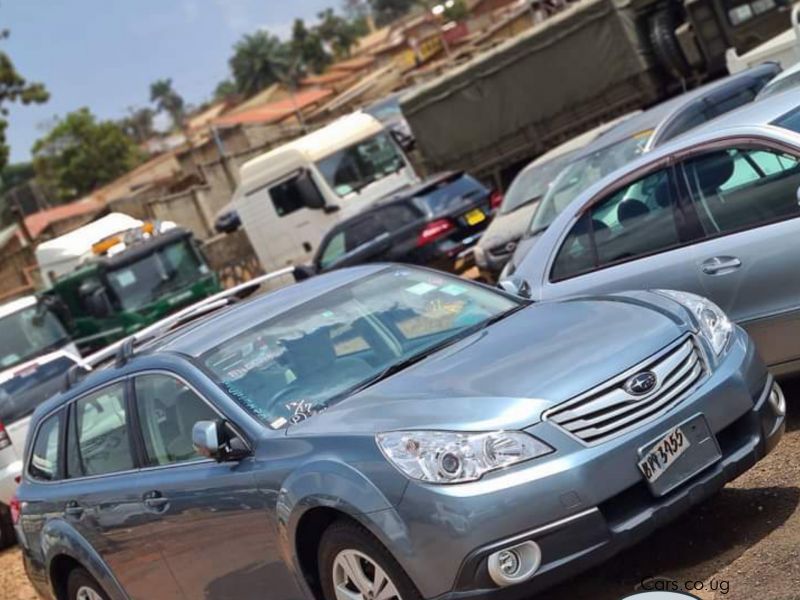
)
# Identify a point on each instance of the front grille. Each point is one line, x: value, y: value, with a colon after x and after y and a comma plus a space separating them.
x: 608, y: 410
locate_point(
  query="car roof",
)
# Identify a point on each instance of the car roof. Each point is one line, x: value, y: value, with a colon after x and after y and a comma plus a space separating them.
x: 795, y: 68
x: 204, y: 334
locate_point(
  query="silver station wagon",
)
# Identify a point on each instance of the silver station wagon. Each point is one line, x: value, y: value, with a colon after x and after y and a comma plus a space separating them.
x: 387, y: 433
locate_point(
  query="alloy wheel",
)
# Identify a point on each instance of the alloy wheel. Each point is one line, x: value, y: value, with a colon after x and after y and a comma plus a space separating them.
x: 87, y: 593
x: 357, y: 577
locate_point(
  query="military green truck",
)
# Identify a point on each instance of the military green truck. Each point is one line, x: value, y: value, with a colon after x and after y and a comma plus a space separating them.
x: 128, y: 281
x: 596, y: 60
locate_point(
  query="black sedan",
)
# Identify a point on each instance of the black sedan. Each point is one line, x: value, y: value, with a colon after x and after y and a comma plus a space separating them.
x: 434, y: 224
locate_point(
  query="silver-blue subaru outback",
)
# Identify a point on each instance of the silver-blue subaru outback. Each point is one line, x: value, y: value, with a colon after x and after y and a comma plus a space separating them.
x: 388, y: 433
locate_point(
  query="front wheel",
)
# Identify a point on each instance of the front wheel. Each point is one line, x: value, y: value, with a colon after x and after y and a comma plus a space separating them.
x: 355, y: 566
x: 82, y: 586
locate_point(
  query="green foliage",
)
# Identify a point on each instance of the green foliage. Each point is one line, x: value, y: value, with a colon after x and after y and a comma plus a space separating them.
x: 225, y: 89
x: 168, y: 100
x: 81, y: 154
x: 15, y: 174
x: 457, y: 12
x: 340, y: 33
x: 259, y: 60
x: 14, y: 88
x: 306, y: 48
x: 386, y: 11
x: 138, y: 125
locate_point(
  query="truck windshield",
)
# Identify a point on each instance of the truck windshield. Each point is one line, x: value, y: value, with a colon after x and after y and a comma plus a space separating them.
x: 167, y: 270
x: 29, y: 333
x: 289, y: 367
x: 356, y: 166
x: 584, y: 172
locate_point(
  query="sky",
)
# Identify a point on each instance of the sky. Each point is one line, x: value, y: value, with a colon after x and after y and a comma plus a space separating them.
x: 105, y: 53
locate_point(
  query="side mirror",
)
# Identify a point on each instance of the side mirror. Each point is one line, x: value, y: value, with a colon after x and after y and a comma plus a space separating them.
x: 406, y: 142
x: 98, y: 303
x: 309, y: 192
x: 213, y: 439
x: 515, y: 286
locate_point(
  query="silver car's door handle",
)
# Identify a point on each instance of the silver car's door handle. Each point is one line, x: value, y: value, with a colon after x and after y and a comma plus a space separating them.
x: 720, y: 265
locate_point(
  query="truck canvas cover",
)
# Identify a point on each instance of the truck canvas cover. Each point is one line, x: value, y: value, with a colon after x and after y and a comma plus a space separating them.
x: 561, y: 77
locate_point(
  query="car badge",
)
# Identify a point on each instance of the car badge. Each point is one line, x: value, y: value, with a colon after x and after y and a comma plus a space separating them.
x: 641, y: 383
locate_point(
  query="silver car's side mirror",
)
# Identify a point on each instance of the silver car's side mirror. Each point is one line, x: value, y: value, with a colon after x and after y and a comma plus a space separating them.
x: 205, y: 439
x: 516, y: 286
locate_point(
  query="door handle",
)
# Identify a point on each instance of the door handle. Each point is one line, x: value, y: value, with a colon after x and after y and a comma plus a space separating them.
x: 720, y: 265
x: 74, y: 510
x: 155, y: 501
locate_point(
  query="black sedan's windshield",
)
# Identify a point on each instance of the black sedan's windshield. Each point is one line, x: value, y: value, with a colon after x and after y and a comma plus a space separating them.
x: 290, y: 367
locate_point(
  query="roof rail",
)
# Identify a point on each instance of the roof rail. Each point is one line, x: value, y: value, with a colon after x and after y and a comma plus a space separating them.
x: 122, y: 350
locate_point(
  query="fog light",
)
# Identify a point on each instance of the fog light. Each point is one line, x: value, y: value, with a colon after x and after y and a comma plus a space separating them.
x: 778, y: 400
x: 515, y: 564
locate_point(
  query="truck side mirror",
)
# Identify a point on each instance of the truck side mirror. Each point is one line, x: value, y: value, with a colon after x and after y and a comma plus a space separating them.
x: 97, y: 302
x: 309, y: 192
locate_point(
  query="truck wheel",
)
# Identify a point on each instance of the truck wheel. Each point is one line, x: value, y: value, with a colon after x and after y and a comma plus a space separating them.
x: 7, y: 535
x: 354, y: 565
x: 82, y: 586
x: 665, y: 45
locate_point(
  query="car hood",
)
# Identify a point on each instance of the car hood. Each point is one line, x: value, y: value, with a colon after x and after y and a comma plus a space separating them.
x: 505, y: 376
x: 507, y: 227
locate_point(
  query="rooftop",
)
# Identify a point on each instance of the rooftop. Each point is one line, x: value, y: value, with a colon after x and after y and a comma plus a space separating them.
x: 275, y: 112
x: 38, y: 222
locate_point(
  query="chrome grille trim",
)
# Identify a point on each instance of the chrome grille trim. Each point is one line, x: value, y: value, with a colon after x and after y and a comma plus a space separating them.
x: 608, y: 410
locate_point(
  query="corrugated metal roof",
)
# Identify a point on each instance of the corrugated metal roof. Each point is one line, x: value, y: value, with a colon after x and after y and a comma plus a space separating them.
x: 275, y: 112
x: 38, y: 222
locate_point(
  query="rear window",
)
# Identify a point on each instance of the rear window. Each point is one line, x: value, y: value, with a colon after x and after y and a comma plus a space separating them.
x: 790, y: 120
x: 20, y: 395
x: 44, y: 457
x: 441, y: 196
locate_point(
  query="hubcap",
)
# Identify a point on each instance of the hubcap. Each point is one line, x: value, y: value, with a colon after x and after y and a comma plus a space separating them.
x: 87, y: 593
x: 357, y: 577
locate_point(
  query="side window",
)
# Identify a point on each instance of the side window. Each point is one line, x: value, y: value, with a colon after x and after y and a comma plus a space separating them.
x: 397, y: 216
x: 635, y: 221
x: 101, y: 437
x: 44, y: 457
x: 167, y: 411
x: 286, y: 197
x: 362, y: 232
x: 333, y: 250
x: 737, y: 189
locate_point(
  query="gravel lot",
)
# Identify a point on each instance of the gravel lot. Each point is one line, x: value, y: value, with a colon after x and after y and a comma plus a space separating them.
x: 742, y: 544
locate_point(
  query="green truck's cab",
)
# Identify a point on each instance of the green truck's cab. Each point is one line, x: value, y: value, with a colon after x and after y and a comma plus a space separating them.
x: 113, y: 296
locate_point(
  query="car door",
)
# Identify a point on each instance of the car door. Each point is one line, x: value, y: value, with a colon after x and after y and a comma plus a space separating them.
x: 634, y: 237
x: 213, y: 525
x: 746, y: 200
x: 101, y: 493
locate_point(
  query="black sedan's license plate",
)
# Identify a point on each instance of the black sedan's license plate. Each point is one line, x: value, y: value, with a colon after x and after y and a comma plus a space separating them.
x: 678, y: 455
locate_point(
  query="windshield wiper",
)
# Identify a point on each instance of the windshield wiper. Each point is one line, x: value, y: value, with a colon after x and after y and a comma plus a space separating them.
x: 419, y: 356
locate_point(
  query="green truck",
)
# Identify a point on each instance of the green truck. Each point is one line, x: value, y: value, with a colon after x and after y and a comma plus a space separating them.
x: 131, y: 280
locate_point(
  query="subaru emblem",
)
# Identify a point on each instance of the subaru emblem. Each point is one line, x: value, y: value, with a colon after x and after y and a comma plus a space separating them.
x: 641, y: 383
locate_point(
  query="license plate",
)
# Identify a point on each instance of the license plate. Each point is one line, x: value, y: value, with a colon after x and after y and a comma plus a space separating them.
x: 655, y: 463
x: 475, y: 216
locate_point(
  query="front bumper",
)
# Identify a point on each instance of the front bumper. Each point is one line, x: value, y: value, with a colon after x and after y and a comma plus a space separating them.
x: 583, y: 504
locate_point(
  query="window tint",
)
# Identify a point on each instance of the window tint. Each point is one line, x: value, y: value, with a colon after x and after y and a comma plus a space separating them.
x: 44, y: 457
x: 736, y: 189
x: 333, y: 250
x: 101, y: 430
x: 286, y: 197
x: 362, y: 232
x: 635, y: 221
x: 397, y: 216
x: 168, y: 410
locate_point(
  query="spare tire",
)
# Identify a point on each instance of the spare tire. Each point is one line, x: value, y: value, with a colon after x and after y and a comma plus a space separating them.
x: 665, y: 45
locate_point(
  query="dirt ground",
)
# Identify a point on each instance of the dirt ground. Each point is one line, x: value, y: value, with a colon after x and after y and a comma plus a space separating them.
x: 743, y: 544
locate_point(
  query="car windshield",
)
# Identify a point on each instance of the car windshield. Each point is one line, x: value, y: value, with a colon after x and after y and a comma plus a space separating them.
x: 29, y: 333
x: 20, y: 395
x: 166, y: 270
x: 355, y: 167
x: 584, y: 172
x: 292, y: 366
x: 531, y: 184
x: 781, y: 85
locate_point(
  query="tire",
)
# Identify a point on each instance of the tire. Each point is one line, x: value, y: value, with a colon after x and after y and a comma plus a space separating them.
x: 346, y: 546
x: 7, y: 535
x: 82, y: 586
x: 665, y: 45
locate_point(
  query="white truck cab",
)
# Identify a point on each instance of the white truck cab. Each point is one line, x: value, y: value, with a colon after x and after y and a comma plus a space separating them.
x: 290, y: 196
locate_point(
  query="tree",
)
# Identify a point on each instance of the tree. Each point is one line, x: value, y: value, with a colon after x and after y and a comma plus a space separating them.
x: 306, y: 47
x: 225, y: 89
x: 338, y: 32
x: 14, y: 88
x: 355, y: 10
x: 259, y: 60
x: 81, y: 154
x: 386, y: 11
x: 168, y: 100
x: 138, y: 125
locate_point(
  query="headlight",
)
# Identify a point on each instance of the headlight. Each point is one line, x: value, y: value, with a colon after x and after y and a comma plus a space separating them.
x: 451, y: 457
x: 714, y: 324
